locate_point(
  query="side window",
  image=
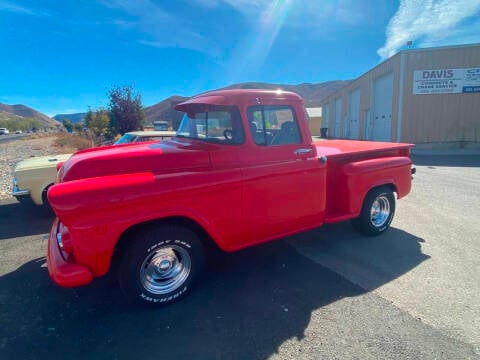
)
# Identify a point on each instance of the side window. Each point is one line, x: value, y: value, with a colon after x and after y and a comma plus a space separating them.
x: 273, y: 125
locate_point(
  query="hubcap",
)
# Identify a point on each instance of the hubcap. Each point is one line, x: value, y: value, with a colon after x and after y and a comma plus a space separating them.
x: 165, y: 270
x: 380, y: 211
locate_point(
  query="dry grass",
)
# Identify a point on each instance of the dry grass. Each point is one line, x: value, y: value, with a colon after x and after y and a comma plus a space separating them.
x: 72, y: 142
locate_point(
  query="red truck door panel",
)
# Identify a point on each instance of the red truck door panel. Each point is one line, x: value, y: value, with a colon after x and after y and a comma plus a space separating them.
x: 284, y: 183
x: 282, y: 192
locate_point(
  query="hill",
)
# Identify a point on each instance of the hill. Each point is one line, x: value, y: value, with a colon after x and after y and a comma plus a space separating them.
x: 6, y: 116
x: 164, y: 110
x: 312, y: 95
x: 75, y: 118
x: 27, y: 112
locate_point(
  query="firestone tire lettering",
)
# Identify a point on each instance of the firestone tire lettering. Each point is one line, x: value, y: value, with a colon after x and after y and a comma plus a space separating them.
x: 146, y: 242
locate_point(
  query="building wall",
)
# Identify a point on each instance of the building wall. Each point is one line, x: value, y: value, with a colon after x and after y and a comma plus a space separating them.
x: 439, y: 118
x: 315, y: 120
x: 432, y: 118
x: 365, y: 84
x: 315, y: 125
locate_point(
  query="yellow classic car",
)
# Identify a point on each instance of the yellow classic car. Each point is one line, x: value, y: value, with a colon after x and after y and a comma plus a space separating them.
x: 32, y: 177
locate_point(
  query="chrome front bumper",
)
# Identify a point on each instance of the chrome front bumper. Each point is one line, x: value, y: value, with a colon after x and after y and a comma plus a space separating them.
x: 18, y: 192
x: 64, y: 273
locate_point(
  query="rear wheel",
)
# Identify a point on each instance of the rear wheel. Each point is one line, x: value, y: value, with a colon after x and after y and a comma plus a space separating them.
x: 45, y: 207
x: 377, y: 212
x: 161, y: 265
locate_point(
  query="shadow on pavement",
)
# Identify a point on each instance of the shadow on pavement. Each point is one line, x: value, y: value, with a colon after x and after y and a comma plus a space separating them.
x: 367, y: 261
x: 447, y: 160
x: 20, y: 220
x: 244, y: 308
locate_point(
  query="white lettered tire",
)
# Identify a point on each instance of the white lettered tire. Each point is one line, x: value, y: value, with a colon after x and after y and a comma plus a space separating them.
x: 161, y: 264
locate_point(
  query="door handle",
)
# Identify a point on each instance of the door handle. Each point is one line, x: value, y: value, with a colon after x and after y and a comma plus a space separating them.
x: 302, y: 151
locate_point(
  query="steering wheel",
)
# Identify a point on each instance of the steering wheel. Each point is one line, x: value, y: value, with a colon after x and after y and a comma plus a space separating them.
x: 228, y: 134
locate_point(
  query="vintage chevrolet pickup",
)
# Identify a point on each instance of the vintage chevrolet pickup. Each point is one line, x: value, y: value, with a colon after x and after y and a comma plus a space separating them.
x: 242, y: 170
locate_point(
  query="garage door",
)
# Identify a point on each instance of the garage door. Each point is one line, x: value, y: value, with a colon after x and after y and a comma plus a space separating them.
x: 382, y: 108
x: 337, y: 117
x: 351, y: 125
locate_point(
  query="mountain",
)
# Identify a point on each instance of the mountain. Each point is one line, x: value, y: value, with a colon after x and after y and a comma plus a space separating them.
x: 27, y: 112
x: 312, y: 95
x: 164, y: 110
x: 8, y: 116
x: 75, y: 118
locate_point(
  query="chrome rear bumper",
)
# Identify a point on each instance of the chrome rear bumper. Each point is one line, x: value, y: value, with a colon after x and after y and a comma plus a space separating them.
x: 18, y: 192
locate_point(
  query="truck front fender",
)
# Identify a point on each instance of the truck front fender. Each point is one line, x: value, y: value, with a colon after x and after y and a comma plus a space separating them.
x: 97, y: 211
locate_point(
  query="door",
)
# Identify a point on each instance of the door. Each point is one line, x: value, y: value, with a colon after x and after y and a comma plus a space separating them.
x: 284, y: 183
x: 367, y: 121
x: 326, y: 116
x: 382, y: 111
x: 337, y: 117
x: 353, y: 113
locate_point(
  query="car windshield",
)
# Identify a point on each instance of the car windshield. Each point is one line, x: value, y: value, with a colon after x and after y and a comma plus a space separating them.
x: 126, y: 138
x: 219, y: 124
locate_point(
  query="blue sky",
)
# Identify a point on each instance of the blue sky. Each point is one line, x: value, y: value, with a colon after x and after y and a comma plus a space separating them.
x: 62, y: 56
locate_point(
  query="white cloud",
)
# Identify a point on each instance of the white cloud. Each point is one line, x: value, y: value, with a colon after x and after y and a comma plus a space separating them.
x: 242, y: 6
x: 160, y: 28
x: 431, y: 23
x: 307, y: 13
x: 8, y: 6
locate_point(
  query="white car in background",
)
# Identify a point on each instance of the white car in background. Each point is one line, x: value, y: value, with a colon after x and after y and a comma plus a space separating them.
x: 32, y: 177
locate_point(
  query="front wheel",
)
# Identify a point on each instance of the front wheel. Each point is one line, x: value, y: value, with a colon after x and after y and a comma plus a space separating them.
x: 377, y: 212
x: 161, y: 265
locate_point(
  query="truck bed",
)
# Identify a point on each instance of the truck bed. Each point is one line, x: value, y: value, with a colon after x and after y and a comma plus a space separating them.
x: 339, y: 148
x: 354, y: 165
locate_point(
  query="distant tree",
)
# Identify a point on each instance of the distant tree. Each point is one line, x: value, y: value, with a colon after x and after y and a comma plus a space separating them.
x: 126, y: 109
x: 77, y: 127
x: 68, y: 125
x: 33, y: 124
x: 98, y: 121
x: 88, y: 117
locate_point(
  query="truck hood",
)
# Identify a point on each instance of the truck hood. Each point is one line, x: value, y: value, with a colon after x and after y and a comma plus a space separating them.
x: 40, y: 162
x: 158, y: 157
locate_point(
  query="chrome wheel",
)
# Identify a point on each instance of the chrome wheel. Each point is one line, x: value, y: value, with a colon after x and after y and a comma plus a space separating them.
x: 165, y: 270
x: 380, y: 211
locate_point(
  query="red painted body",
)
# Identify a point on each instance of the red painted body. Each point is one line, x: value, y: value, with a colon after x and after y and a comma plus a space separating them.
x: 240, y: 195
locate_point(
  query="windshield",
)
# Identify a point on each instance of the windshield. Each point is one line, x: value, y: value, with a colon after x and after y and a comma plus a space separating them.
x: 219, y: 124
x: 126, y: 138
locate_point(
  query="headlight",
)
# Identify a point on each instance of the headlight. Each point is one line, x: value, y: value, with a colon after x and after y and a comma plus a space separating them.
x: 64, y: 240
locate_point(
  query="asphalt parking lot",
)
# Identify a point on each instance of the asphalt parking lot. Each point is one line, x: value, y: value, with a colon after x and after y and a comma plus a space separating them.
x: 329, y: 293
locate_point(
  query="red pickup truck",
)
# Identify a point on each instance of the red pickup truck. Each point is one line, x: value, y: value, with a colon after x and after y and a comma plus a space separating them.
x: 242, y: 170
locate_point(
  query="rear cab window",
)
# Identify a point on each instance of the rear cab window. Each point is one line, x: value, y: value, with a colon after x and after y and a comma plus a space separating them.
x: 273, y: 125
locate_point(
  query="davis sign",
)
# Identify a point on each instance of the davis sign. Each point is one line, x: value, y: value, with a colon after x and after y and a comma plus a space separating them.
x: 446, y: 81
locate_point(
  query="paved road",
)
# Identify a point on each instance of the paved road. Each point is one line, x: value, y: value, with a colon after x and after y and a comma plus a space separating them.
x: 11, y: 137
x: 443, y: 211
x: 339, y: 296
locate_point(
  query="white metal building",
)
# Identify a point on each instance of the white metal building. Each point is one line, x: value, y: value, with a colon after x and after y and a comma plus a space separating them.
x: 423, y: 96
